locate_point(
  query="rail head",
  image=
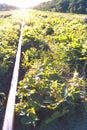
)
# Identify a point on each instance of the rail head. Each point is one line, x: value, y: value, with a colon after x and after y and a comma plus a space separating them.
x: 9, y: 113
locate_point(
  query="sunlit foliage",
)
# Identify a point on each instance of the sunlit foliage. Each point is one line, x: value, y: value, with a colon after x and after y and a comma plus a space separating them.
x: 54, y: 56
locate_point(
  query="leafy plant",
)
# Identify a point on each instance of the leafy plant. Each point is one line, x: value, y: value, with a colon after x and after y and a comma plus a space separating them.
x: 53, y: 58
x: 2, y: 99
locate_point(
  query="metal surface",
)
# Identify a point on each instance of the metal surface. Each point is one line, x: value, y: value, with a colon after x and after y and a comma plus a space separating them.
x: 9, y: 114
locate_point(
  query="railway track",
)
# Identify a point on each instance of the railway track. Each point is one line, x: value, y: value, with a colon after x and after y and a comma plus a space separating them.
x: 9, y: 113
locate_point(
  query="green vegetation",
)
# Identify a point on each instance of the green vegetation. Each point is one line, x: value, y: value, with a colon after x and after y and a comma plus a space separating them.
x: 9, y: 35
x: 53, y: 67
x: 72, y: 6
x: 54, y: 57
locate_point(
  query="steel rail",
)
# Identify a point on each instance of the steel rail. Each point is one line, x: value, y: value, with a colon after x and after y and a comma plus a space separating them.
x: 9, y: 113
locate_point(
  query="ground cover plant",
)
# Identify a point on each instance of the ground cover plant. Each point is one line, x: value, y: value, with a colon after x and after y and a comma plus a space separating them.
x: 9, y: 35
x: 53, y: 69
x: 54, y: 62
